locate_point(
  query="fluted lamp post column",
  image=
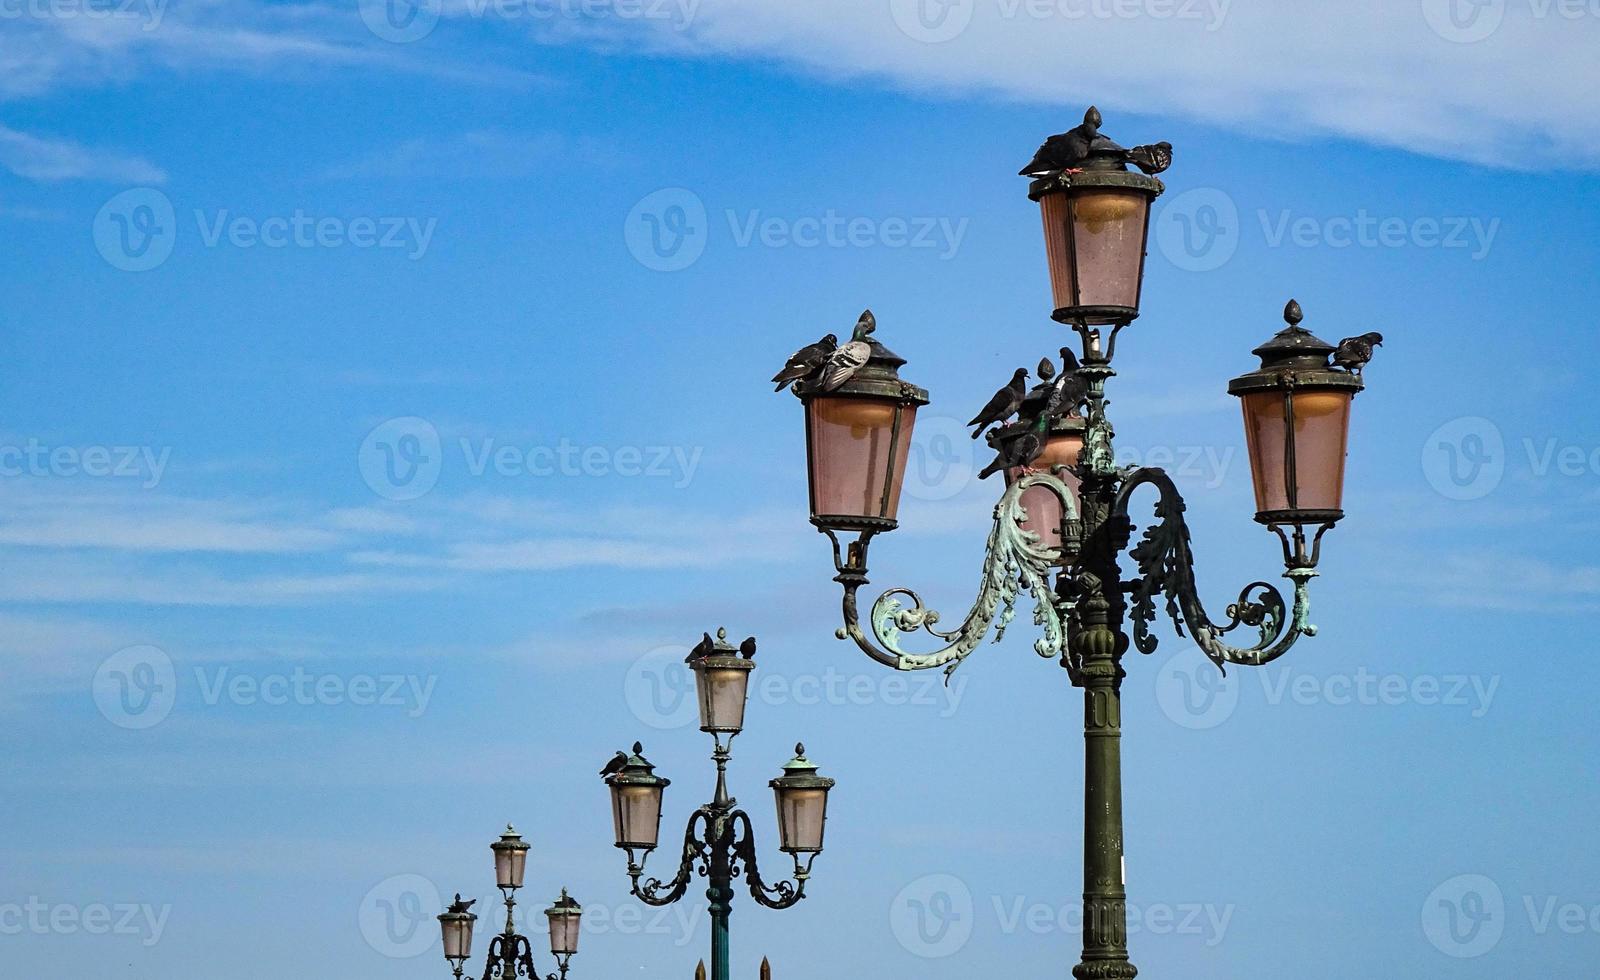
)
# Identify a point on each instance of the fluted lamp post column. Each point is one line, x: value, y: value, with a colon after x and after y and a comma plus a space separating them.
x: 1062, y: 526
x: 719, y: 841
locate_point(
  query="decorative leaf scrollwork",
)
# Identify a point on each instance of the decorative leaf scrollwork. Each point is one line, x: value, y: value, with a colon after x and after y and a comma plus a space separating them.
x: 1166, y: 568
x: 1015, y: 559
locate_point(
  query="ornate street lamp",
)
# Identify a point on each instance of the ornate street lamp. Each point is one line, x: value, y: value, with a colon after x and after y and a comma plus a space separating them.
x: 510, y: 953
x: 1063, y: 520
x: 719, y: 841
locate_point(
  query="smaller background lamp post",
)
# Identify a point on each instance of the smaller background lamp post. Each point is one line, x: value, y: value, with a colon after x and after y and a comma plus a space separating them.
x: 719, y: 841
x: 510, y: 953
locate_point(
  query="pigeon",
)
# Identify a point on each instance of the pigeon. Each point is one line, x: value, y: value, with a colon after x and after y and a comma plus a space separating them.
x: 615, y: 765
x: 1065, y: 150
x: 805, y: 362
x: 458, y: 907
x: 701, y: 650
x: 843, y: 363
x: 1003, y: 405
x: 1354, y: 352
x: 747, y: 649
x: 1070, y: 389
x: 1151, y: 159
x: 1022, y: 450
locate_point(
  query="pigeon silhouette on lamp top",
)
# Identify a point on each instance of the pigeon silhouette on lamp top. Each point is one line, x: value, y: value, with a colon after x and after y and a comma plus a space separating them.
x: 1065, y: 151
x: 1003, y: 405
x: 1020, y: 452
x: 1353, y: 353
x: 805, y: 362
x: 616, y: 764
x: 1152, y: 159
x: 701, y: 650
x: 458, y: 907
x: 842, y: 365
x: 747, y: 649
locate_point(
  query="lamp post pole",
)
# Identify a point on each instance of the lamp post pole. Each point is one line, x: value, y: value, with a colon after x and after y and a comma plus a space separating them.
x: 1063, y: 523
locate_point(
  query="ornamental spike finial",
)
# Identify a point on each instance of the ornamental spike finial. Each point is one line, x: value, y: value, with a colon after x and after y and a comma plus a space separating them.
x: 1292, y: 314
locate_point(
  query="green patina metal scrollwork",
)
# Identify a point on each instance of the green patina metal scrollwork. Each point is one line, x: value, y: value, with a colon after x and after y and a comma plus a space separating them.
x: 1016, y: 558
x: 1166, y: 568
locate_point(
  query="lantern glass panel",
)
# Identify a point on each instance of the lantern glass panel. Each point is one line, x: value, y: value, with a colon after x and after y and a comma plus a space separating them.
x: 457, y: 937
x: 852, y: 448
x: 564, y: 934
x: 509, y: 865
x: 801, y: 816
x: 636, y: 814
x: 1321, y: 426
x: 1094, y: 242
x: 1040, y: 504
x: 722, y: 697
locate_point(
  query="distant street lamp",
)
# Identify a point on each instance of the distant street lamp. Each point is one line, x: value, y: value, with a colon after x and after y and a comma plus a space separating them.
x: 1065, y: 511
x: 510, y: 954
x: 719, y: 841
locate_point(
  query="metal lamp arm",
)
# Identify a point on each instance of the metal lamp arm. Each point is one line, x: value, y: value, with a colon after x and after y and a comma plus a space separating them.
x: 1166, y: 567
x: 782, y: 895
x: 1014, y: 558
x: 655, y: 891
x: 510, y: 956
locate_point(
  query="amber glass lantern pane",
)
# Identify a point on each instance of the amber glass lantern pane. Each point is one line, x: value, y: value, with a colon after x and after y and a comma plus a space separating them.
x: 1321, y: 425
x: 802, y: 814
x: 564, y: 920
x: 457, y: 928
x: 722, y: 689
x: 854, y: 452
x: 636, y: 813
x: 1040, y: 504
x: 1094, y: 242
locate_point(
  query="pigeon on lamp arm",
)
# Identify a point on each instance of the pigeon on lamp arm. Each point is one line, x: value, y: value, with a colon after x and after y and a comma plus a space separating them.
x: 1003, y: 405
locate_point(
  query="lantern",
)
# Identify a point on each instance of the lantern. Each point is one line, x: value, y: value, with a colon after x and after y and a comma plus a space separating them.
x: 636, y: 802
x: 857, y: 439
x: 564, y: 915
x: 721, y: 678
x: 802, y: 798
x: 457, y: 929
x: 1040, y: 504
x: 510, y: 859
x: 1296, y: 420
x: 1096, y: 220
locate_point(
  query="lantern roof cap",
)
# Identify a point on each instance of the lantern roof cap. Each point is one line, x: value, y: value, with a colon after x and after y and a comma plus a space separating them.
x: 565, y: 905
x: 510, y: 841
x: 1294, y: 357
x: 637, y: 771
x: 801, y: 773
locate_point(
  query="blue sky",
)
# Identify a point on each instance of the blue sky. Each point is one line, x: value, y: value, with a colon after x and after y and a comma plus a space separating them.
x: 257, y: 254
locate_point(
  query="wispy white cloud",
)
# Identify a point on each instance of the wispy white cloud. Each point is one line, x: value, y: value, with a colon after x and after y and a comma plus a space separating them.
x: 1396, y: 75
x: 45, y: 159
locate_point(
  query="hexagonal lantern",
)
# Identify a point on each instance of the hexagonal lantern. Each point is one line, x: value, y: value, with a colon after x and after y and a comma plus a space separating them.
x: 636, y: 802
x: 802, y: 798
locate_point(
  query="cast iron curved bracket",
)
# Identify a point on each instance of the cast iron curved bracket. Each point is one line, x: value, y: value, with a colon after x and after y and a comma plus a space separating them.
x: 659, y: 893
x: 1166, y: 567
x: 1015, y: 558
x: 780, y: 896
